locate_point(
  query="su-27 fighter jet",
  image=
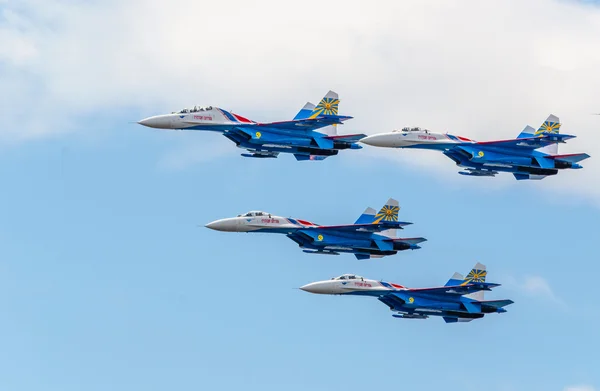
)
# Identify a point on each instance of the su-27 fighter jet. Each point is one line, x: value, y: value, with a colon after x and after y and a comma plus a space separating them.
x: 460, y: 300
x: 532, y: 155
x: 266, y: 140
x: 371, y: 236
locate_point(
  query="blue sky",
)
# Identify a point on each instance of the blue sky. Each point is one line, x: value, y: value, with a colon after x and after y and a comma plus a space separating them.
x: 107, y: 282
x: 108, y: 279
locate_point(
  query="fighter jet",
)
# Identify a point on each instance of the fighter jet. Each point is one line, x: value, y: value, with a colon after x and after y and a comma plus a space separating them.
x: 371, y: 236
x: 460, y: 300
x: 266, y: 140
x: 532, y: 155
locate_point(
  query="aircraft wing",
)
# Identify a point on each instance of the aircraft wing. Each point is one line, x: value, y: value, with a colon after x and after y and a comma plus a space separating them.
x: 383, y: 226
x: 526, y: 143
x: 458, y: 289
x: 306, y: 124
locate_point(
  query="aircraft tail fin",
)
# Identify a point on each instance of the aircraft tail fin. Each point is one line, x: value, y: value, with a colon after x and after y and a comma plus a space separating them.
x: 389, y: 212
x: 367, y: 217
x: 456, y: 279
x: 527, y: 132
x: 477, y: 274
x: 550, y: 125
x: 327, y: 106
x: 305, y: 111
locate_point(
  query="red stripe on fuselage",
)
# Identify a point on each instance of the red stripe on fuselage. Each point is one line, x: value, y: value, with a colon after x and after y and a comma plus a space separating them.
x: 304, y: 222
x: 242, y: 119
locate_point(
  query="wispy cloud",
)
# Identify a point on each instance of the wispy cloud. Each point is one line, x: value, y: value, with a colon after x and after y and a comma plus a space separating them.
x: 534, y: 286
x: 537, y: 285
x: 57, y: 65
x: 580, y: 388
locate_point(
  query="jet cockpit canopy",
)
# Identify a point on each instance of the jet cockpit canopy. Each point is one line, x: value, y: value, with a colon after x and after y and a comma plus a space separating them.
x: 194, y: 109
x: 255, y: 213
x: 412, y: 129
x: 348, y: 277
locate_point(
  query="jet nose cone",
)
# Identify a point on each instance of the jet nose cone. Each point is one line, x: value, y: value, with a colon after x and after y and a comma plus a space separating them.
x: 316, y: 287
x: 158, y: 121
x: 306, y: 288
x: 377, y: 140
x: 226, y: 225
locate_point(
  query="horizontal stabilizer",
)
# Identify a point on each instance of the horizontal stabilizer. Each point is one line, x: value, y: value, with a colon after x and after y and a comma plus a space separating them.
x: 497, y: 303
x: 556, y: 137
x: 571, y: 158
x: 373, y: 227
x: 410, y: 240
x: 334, y: 119
x: 459, y: 290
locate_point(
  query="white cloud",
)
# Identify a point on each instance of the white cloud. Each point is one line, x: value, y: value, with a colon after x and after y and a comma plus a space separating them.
x: 533, y: 286
x: 538, y: 286
x: 474, y: 68
x: 579, y: 388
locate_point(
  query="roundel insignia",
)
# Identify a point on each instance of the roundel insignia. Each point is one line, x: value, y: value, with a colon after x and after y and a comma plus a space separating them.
x: 411, y: 300
x: 480, y: 154
x: 258, y: 134
x: 320, y: 238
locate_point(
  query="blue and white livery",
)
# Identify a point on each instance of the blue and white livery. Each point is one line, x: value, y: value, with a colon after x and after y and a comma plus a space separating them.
x: 532, y: 155
x: 371, y: 236
x: 460, y: 300
x: 311, y: 135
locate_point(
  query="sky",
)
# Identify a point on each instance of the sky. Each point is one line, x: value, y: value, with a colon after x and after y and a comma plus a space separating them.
x: 109, y: 280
